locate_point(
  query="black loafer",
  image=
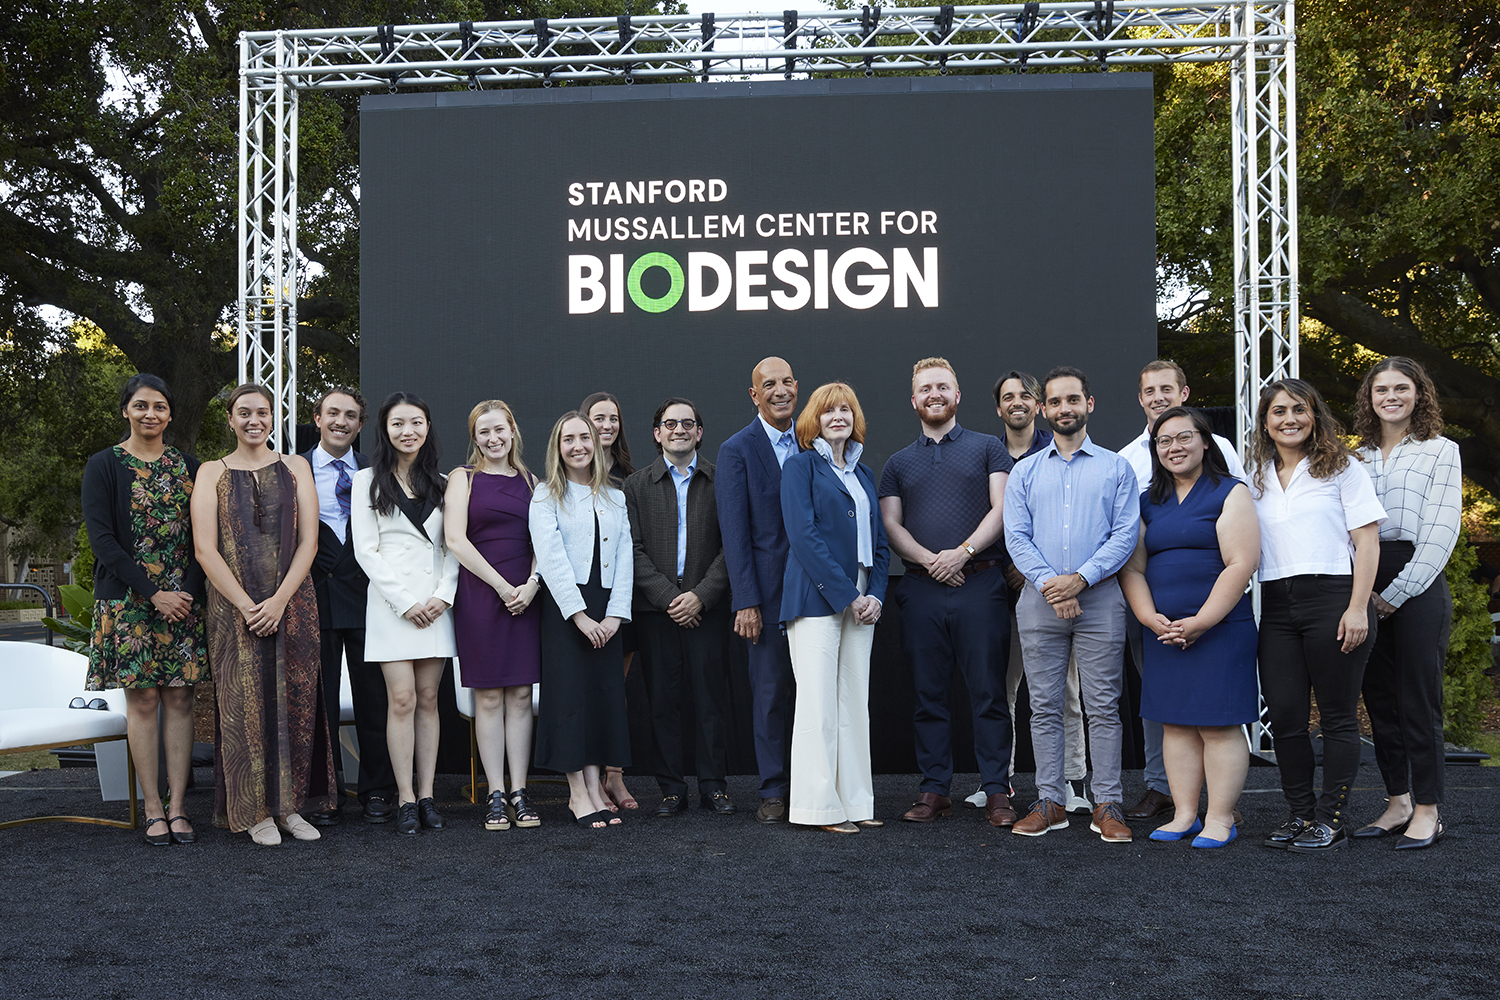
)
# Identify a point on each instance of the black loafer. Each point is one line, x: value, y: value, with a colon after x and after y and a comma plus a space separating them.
x: 324, y: 817
x: 670, y: 806
x: 406, y: 819
x: 1318, y: 838
x: 772, y: 810
x: 378, y: 810
x: 427, y: 811
x: 1373, y: 832
x: 718, y: 802
x: 1281, y: 838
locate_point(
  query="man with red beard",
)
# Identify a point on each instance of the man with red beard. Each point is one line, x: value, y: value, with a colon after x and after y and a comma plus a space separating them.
x: 941, y: 500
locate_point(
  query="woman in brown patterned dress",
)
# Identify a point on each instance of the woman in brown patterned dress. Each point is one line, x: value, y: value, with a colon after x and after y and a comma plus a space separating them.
x: 148, y: 596
x: 273, y: 755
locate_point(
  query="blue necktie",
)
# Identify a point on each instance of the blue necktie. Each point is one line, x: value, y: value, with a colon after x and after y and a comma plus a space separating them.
x: 341, y: 494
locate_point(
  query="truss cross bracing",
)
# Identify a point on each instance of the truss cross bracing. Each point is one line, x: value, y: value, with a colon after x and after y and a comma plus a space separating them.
x: 1254, y: 38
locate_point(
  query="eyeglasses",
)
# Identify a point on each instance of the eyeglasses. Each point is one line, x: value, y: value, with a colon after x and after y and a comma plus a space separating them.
x: 686, y: 425
x: 98, y: 704
x: 1184, y: 438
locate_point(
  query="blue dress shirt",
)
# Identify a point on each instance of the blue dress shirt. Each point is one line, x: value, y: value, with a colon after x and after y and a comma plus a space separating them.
x: 783, y: 443
x: 681, y: 482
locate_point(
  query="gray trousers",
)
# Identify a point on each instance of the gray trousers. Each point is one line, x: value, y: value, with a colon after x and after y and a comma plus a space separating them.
x: 1096, y: 641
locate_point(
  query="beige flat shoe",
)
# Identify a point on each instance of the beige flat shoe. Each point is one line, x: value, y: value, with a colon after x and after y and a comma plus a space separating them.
x: 870, y: 824
x: 844, y: 827
x: 264, y: 833
x: 299, y: 828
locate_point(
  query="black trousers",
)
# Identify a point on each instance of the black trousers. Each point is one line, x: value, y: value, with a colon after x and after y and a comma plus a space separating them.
x: 1300, y: 650
x: 682, y: 664
x: 1404, y: 684
x: 367, y: 688
x: 967, y: 627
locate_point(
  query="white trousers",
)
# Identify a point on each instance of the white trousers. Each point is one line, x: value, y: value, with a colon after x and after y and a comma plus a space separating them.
x: 831, y: 777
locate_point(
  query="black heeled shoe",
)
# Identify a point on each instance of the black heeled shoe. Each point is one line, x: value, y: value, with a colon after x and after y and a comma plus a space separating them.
x: 1416, y: 844
x: 406, y: 819
x: 497, y: 818
x: 157, y: 839
x: 427, y: 811
x: 526, y: 816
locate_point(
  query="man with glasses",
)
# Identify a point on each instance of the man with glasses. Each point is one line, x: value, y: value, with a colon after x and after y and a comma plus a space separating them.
x: 681, y: 607
x: 1162, y: 386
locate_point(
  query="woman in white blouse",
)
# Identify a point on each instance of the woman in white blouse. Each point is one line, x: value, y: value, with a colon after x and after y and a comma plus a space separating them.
x: 1319, y: 524
x: 396, y: 527
x: 1419, y: 480
x: 581, y: 536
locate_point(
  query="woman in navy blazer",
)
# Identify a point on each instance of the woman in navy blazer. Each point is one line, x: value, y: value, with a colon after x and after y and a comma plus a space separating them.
x: 831, y: 599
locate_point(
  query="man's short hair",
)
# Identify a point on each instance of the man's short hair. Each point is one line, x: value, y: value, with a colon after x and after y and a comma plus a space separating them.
x: 667, y: 405
x: 926, y: 363
x: 1163, y: 365
x: 1028, y: 383
x: 343, y: 390
x: 1065, y: 371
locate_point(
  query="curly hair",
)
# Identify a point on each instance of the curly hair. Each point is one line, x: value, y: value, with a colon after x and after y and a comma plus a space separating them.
x: 1426, y: 416
x: 1327, y: 455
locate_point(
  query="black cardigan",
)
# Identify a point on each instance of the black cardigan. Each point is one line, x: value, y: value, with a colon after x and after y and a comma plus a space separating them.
x: 106, y: 512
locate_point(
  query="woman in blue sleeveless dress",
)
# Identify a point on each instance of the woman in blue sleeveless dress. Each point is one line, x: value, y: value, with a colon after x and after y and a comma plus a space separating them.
x: 1200, y: 542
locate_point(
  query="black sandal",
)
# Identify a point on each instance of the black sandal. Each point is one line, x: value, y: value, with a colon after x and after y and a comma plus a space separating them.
x: 191, y: 837
x: 525, y: 813
x: 157, y: 839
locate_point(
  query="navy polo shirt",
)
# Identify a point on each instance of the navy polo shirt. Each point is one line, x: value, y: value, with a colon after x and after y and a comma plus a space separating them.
x: 944, y: 487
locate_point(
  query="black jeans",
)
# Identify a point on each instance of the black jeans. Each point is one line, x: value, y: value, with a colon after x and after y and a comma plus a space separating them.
x: 1300, y: 650
x: 1404, y: 684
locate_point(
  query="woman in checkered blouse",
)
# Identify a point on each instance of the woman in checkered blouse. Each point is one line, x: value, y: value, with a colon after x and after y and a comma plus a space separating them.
x: 1419, y: 480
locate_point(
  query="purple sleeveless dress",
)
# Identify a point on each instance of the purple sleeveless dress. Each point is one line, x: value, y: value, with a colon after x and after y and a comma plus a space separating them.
x: 495, y: 648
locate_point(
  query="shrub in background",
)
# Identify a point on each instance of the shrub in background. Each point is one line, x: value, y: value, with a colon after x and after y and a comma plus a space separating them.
x: 1466, y: 689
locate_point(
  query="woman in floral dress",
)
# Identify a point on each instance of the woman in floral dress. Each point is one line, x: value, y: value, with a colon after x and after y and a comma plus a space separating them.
x: 148, y: 596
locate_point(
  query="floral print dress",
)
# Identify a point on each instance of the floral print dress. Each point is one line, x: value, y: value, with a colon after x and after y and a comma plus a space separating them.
x: 134, y: 646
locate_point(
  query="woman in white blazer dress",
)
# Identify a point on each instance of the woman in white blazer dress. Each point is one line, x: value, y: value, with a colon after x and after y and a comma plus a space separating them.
x: 396, y: 526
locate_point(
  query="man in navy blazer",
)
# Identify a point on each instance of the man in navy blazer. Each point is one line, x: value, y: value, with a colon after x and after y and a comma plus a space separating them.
x: 341, y: 587
x: 747, y: 491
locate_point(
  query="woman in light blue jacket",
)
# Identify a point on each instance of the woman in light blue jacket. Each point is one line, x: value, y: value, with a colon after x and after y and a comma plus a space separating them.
x: 581, y: 535
x: 831, y: 600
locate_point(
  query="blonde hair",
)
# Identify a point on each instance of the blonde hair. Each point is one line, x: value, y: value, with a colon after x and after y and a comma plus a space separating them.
x: 557, y: 479
x: 823, y: 399
x: 476, y: 457
x: 926, y: 363
x: 1163, y: 365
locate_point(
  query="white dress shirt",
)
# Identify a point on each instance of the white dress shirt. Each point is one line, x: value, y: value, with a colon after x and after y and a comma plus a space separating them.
x: 325, y: 476
x: 1421, y: 487
x: 1304, y: 529
x: 1138, y: 454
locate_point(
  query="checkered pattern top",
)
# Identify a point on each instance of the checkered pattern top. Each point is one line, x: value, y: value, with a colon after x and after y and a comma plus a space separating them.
x: 1421, y: 488
x: 944, y: 486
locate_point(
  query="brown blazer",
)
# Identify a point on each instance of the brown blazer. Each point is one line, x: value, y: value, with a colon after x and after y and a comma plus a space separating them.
x: 651, y: 498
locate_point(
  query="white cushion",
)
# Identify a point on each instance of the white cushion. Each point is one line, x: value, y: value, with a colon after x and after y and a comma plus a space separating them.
x: 29, y: 727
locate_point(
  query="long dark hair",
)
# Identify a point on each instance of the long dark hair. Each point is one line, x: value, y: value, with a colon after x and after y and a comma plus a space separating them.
x: 133, y: 385
x: 1426, y: 415
x: 1327, y: 455
x: 619, y: 452
x: 1162, y: 483
x: 426, y: 480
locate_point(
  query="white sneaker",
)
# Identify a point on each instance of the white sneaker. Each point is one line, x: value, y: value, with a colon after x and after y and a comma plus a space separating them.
x: 1077, y: 801
x: 978, y: 799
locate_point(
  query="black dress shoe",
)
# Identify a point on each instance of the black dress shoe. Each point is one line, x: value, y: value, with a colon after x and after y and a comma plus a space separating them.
x: 324, y: 817
x: 670, y: 806
x: 431, y: 818
x: 718, y: 802
x: 1373, y: 832
x: 1416, y: 844
x: 163, y: 839
x: 1282, y: 837
x: 771, y: 810
x: 378, y: 810
x: 189, y: 836
x: 1318, y: 838
x: 406, y: 819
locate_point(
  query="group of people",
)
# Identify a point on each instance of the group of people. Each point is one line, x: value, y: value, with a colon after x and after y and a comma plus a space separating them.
x: 1037, y: 554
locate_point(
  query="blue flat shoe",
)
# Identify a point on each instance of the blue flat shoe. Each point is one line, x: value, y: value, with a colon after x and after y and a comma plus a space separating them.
x: 1202, y: 841
x: 1172, y: 835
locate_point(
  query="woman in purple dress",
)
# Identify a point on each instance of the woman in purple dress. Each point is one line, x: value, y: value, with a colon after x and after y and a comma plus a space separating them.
x: 497, y: 628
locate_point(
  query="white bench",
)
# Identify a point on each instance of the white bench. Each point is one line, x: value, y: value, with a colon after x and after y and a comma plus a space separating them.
x: 36, y: 684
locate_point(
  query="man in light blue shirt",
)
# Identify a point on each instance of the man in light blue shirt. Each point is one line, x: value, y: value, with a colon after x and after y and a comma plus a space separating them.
x: 1072, y: 516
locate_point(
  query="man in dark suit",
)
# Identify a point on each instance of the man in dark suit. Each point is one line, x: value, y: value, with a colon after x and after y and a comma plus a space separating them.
x: 681, y: 615
x: 341, y: 586
x: 747, y: 486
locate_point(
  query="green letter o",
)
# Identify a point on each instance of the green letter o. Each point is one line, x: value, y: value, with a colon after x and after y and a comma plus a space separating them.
x: 644, y: 264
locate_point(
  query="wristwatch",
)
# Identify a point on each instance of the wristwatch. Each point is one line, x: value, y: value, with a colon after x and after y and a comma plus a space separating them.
x: 969, y: 549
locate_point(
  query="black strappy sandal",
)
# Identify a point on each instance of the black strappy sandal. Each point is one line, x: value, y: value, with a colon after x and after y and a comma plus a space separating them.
x: 525, y: 813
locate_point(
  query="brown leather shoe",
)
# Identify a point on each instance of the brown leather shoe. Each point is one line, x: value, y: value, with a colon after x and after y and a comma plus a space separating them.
x: 1044, y: 815
x: 928, y: 807
x: 1109, y: 824
x: 998, y: 810
x: 771, y: 810
x: 1153, y: 803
